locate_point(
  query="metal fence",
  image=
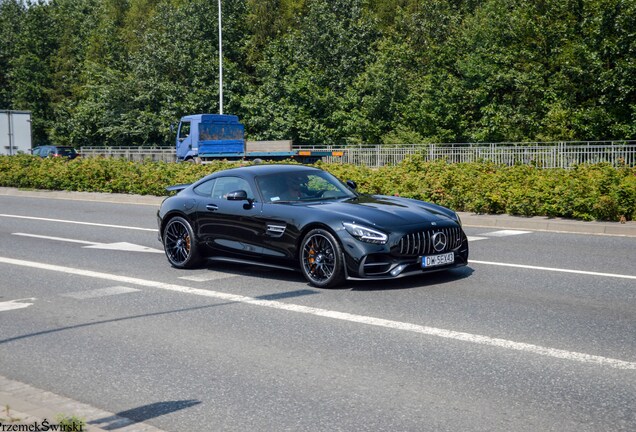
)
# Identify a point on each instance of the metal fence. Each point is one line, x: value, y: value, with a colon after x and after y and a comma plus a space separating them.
x: 136, y: 154
x: 543, y: 155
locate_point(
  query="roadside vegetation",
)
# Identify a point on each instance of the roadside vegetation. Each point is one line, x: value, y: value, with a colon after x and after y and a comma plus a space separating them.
x: 118, y: 73
x: 588, y: 192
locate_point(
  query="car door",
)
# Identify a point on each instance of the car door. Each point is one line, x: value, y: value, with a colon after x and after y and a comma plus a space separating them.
x: 226, y: 225
x: 184, y: 139
x: 279, y: 225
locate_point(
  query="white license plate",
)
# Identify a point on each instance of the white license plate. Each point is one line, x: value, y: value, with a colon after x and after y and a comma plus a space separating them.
x: 438, y: 260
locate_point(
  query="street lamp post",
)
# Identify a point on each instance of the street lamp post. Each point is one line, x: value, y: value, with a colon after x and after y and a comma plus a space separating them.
x: 220, y: 64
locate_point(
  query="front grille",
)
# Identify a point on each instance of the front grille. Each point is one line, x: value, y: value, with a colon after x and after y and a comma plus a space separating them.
x: 421, y: 242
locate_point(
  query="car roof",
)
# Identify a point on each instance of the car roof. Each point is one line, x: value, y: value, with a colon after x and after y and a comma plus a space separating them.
x: 265, y: 169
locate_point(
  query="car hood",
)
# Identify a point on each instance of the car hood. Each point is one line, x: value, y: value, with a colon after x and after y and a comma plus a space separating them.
x: 380, y: 210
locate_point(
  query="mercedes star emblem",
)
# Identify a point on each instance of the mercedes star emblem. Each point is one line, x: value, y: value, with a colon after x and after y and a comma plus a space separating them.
x: 439, y: 241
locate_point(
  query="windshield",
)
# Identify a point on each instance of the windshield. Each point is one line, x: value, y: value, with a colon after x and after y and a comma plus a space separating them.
x: 302, y: 186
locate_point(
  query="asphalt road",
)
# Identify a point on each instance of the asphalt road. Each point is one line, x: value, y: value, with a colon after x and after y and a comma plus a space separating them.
x: 538, y: 333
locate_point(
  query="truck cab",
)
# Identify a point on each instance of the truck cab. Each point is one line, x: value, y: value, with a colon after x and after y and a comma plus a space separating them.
x: 215, y: 135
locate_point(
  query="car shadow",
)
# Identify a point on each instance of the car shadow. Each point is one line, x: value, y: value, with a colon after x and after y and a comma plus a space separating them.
x: 253, y: 270
x: 416, y: 281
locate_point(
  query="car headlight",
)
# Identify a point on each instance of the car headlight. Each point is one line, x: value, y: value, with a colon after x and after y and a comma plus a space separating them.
x: 365, y: 234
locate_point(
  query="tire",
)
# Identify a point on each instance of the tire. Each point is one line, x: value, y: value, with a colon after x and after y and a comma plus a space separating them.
x: 179, y: 243
x: 321, y: 259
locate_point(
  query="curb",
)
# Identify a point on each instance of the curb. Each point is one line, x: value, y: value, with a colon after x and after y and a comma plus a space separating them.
x: 84, y: 196
x: 535, y: 223
x: 23, y: 407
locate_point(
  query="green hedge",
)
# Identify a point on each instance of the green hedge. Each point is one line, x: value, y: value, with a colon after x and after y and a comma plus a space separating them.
x: 589, y: 192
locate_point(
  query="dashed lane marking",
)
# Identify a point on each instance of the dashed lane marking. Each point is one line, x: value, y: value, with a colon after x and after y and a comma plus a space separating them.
x: 505, y: 233
x: 500, y: 233
x: 16, y: 304
x: 78, y: 222
x: 120, y: 246
x: 475, y: 238
x: 343, y: 316
x: 211, y: 276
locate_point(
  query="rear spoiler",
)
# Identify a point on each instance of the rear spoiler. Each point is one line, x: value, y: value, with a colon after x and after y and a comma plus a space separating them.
x: 177, y: 188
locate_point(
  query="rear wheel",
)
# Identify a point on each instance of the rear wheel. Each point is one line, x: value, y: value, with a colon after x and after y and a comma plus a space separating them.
x: 179, y: 243
x: 321, y: 259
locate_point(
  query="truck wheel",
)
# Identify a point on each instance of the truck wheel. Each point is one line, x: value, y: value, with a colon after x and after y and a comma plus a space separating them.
x: 179, y: 243
x: 321, y: 259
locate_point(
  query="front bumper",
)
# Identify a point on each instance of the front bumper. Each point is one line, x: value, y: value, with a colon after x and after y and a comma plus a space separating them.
x: 394, y: 260
x: 377, y: 267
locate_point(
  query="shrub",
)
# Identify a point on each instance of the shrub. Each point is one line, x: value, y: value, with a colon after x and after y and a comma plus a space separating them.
x: 589, y: 192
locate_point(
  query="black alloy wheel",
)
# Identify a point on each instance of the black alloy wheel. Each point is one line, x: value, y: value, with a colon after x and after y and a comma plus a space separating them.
x: 179, y: 243
x: 321, y: 259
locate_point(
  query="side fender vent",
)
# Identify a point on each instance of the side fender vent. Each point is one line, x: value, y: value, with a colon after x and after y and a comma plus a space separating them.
x: 275, y: 230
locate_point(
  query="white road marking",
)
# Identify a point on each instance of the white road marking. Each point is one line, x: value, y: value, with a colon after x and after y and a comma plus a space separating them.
x: 54, y: 238
x: 500, y: 233
x: 122, y: 246
x: 360, y: 319
x: 210, y: 276
x: 100, y: 292
x: 553, y: 269
x: 505, y: 233
x: 79, y: 222
x: 16, y: 304
x: 475, y: 238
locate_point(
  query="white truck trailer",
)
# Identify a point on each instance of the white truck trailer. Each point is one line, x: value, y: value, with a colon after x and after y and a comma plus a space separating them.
x: 15, y: 132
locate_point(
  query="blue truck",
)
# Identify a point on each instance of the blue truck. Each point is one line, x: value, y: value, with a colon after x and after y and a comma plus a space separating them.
x: 206, y: 137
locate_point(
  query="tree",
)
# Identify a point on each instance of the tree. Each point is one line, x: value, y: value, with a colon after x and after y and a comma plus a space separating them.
x: 11, y: 17
x: 304, y: 75
x: 30, y: 73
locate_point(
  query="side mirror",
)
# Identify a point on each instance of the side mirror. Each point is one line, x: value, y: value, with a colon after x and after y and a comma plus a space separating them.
x: 237, y: 195
x: 240, y: 195
x: 352, y: 184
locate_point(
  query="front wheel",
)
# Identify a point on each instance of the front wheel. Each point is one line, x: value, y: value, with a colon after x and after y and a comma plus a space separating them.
x: 179, y: 243
x: 321, y: 259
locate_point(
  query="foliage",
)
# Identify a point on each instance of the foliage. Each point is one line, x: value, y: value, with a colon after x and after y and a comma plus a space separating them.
x: 589, y: 192
x: 118, y: 72
x: 70, y: 423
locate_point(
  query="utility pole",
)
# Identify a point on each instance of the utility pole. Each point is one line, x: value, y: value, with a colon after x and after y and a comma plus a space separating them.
x: 220, y: 64
x: 10, y: 118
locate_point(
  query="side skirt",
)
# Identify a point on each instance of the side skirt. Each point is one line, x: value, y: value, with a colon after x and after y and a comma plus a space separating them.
x: 255, y: 263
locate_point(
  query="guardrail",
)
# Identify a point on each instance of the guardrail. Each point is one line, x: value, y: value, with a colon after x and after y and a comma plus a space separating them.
x: 543, y: 155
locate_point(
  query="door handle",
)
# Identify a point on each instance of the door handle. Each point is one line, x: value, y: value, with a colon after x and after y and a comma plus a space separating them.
x: 212, y: 207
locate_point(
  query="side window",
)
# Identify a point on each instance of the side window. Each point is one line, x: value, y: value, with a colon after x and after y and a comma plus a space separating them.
x: 205, y: 188
x: 184, y: 130
x: 225, y: 185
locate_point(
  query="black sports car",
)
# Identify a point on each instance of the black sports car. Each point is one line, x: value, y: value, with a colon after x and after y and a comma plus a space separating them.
x: 294, y: 216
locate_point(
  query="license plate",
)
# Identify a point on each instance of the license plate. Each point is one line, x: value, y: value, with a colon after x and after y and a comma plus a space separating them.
x: 438, y: 260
